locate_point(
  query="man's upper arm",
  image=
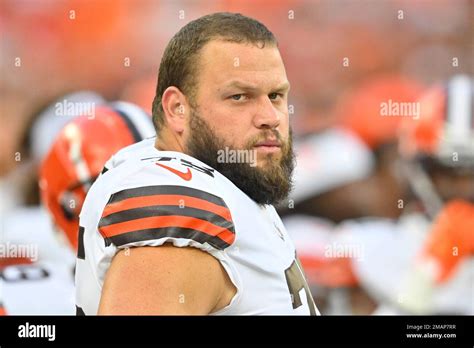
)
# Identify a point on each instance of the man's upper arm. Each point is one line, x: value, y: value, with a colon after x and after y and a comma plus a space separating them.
x: 164, y: 280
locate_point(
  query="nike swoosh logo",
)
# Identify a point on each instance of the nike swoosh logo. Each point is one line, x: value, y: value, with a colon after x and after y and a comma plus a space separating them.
x: 186, y: 176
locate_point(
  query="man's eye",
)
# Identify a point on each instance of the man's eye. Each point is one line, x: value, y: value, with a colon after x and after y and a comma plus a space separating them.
x: 237, y: 97
x: 274, y: 96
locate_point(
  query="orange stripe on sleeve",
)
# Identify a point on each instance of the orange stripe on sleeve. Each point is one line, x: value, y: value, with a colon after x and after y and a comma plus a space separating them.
x: 178, y: 200
x: 168, y: 221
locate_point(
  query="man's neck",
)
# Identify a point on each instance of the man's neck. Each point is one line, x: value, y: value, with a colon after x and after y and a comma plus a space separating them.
x: 168, y: 142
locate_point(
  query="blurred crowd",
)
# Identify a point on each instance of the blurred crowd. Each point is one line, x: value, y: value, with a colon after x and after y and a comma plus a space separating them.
x: 381, y: 221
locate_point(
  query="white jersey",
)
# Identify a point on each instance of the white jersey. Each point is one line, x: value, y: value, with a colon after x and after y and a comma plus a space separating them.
x: 152, y: 197
x: 39, y: 288
x: 327, y: 160
x: 37, y: 277
x: 389, y: 250
x: 382, y: 253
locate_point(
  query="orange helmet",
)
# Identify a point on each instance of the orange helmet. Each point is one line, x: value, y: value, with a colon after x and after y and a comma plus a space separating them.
x: 360, y: 109
x: 442, y: 137
x: 78, y: 155
x: 445, y: 126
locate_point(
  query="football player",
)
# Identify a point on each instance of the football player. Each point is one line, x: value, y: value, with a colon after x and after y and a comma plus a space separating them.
x: 76, y: 157
x: 421, y: 262
x: 186, y: 224
x: 36, y: 273
x: 438, y: 153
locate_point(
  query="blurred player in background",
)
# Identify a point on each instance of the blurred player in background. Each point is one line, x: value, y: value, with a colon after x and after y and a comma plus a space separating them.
x: 421, y: 262
x: 438, y: 156
x: 26, y: 224
x: 347, y: 171
x: 19, y: 187
x: 354, y: 161
x: 71, y: 162
x: 327, y: 162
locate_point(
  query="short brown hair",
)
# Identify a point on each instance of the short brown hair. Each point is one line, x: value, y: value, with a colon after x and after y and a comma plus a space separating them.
x: 178, y: 65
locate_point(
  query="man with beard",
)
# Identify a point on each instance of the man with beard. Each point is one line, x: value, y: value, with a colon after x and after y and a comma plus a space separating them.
x: 170, y: 228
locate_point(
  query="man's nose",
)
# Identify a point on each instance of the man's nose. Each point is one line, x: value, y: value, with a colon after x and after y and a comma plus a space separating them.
x: 266, y: 115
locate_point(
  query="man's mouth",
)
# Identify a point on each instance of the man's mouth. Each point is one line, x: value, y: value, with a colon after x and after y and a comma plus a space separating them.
x: 268, y: 146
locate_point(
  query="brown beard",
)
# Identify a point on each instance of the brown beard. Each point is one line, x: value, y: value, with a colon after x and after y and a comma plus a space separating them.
x: 269, y: 185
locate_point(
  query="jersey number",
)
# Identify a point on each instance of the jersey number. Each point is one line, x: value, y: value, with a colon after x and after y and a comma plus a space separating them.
x: 296, y: 281
x: 20, y: 273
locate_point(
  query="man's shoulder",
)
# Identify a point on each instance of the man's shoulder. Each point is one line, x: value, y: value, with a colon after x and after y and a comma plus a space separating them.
x: 141, y: 165
x: 160, y: 193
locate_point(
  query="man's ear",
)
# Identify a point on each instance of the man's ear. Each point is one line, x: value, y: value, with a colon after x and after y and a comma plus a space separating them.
x: 175, y: 108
